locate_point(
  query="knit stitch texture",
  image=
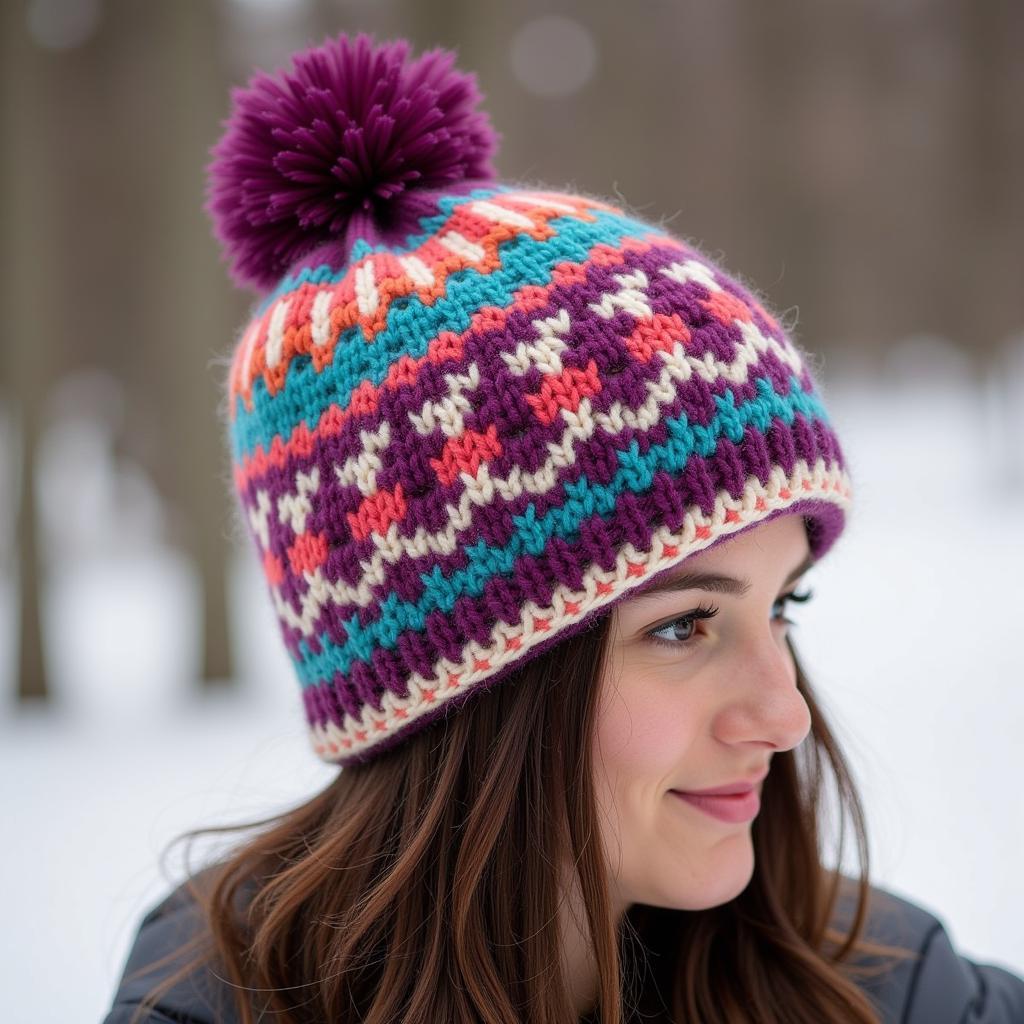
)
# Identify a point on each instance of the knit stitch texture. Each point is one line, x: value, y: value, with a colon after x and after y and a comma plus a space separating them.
x: 454, y: 452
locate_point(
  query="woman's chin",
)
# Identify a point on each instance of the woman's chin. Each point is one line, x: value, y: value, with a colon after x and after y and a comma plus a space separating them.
x: 721, y: 875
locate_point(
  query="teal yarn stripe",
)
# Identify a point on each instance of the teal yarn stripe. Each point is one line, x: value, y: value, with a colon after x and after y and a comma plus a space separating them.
x: 429, y: 226
x: 583, y: 499
x: 412, y: 325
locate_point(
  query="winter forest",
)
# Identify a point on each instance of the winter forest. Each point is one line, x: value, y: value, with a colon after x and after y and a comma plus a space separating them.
x: 863, y: 164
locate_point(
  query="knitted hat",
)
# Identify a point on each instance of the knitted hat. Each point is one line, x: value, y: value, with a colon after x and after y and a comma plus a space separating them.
x: 467, y: 417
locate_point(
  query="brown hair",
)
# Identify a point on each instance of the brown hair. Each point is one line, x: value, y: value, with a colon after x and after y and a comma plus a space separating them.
x: 424, y: 886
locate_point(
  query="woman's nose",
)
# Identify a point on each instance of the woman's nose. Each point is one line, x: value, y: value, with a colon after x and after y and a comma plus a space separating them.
x: 762, y: 703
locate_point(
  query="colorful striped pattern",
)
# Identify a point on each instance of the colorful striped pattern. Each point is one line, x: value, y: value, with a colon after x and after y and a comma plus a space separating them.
x: 453, y: 453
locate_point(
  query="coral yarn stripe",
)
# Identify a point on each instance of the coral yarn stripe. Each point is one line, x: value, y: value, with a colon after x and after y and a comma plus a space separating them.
x: 376, y: 513
x: 446, y: 346
x: 564, y: 391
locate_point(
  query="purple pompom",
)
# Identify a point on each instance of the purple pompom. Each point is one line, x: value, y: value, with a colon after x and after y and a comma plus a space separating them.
x: 354, y: 142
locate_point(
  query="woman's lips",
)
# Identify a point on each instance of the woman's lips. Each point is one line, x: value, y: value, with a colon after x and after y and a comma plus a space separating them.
x: 731, y: 807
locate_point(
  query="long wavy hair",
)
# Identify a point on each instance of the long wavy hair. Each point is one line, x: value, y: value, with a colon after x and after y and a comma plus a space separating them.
x: 425, y: 886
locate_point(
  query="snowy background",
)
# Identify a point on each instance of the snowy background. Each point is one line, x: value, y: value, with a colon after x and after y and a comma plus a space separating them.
x: 913, y: 641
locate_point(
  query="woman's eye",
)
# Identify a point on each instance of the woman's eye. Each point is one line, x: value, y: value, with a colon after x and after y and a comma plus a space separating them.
x: 682, y: 629
x: 792, y: 596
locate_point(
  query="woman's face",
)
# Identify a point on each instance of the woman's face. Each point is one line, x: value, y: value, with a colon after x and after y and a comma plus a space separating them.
x: 691, y: 703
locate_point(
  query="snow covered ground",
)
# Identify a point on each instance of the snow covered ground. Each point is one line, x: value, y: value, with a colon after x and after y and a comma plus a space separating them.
x: 913, y: 640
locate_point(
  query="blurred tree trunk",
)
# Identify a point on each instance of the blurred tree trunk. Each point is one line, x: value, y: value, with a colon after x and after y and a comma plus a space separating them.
x: 992, y: 141
x: 175, y: 315
x: 786, y: 228
x: 194, y: 320
x: 32, y: 680
x: 991, y: 133
x: 30, y: 299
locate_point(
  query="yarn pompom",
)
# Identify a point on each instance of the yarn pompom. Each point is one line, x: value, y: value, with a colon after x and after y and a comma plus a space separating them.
x: 351, y: 143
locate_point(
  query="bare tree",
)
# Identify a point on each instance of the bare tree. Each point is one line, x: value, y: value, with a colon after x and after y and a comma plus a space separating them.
x: 30, y: 244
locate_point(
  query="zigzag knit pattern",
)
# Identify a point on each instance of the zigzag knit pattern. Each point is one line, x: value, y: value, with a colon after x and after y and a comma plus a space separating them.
x: 455, y: 452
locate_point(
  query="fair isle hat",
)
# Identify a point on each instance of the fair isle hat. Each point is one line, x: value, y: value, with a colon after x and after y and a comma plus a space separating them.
x: 468, y: 417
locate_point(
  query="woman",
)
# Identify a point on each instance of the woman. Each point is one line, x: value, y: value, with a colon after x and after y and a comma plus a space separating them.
x: 534, y: 485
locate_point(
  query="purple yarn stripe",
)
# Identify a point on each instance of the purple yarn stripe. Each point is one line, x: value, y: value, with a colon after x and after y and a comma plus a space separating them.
x: 328, y: 701
x: 534, y: 577
x: 727, y: 469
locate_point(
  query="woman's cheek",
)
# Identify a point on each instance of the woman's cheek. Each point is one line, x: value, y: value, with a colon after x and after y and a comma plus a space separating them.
x: 646, y: 725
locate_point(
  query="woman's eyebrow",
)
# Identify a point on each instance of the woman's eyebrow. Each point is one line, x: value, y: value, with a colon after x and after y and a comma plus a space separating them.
x: 715, y: 582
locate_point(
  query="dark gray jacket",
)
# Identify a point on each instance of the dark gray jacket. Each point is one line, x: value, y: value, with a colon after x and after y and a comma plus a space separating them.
x: 936, y: 987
